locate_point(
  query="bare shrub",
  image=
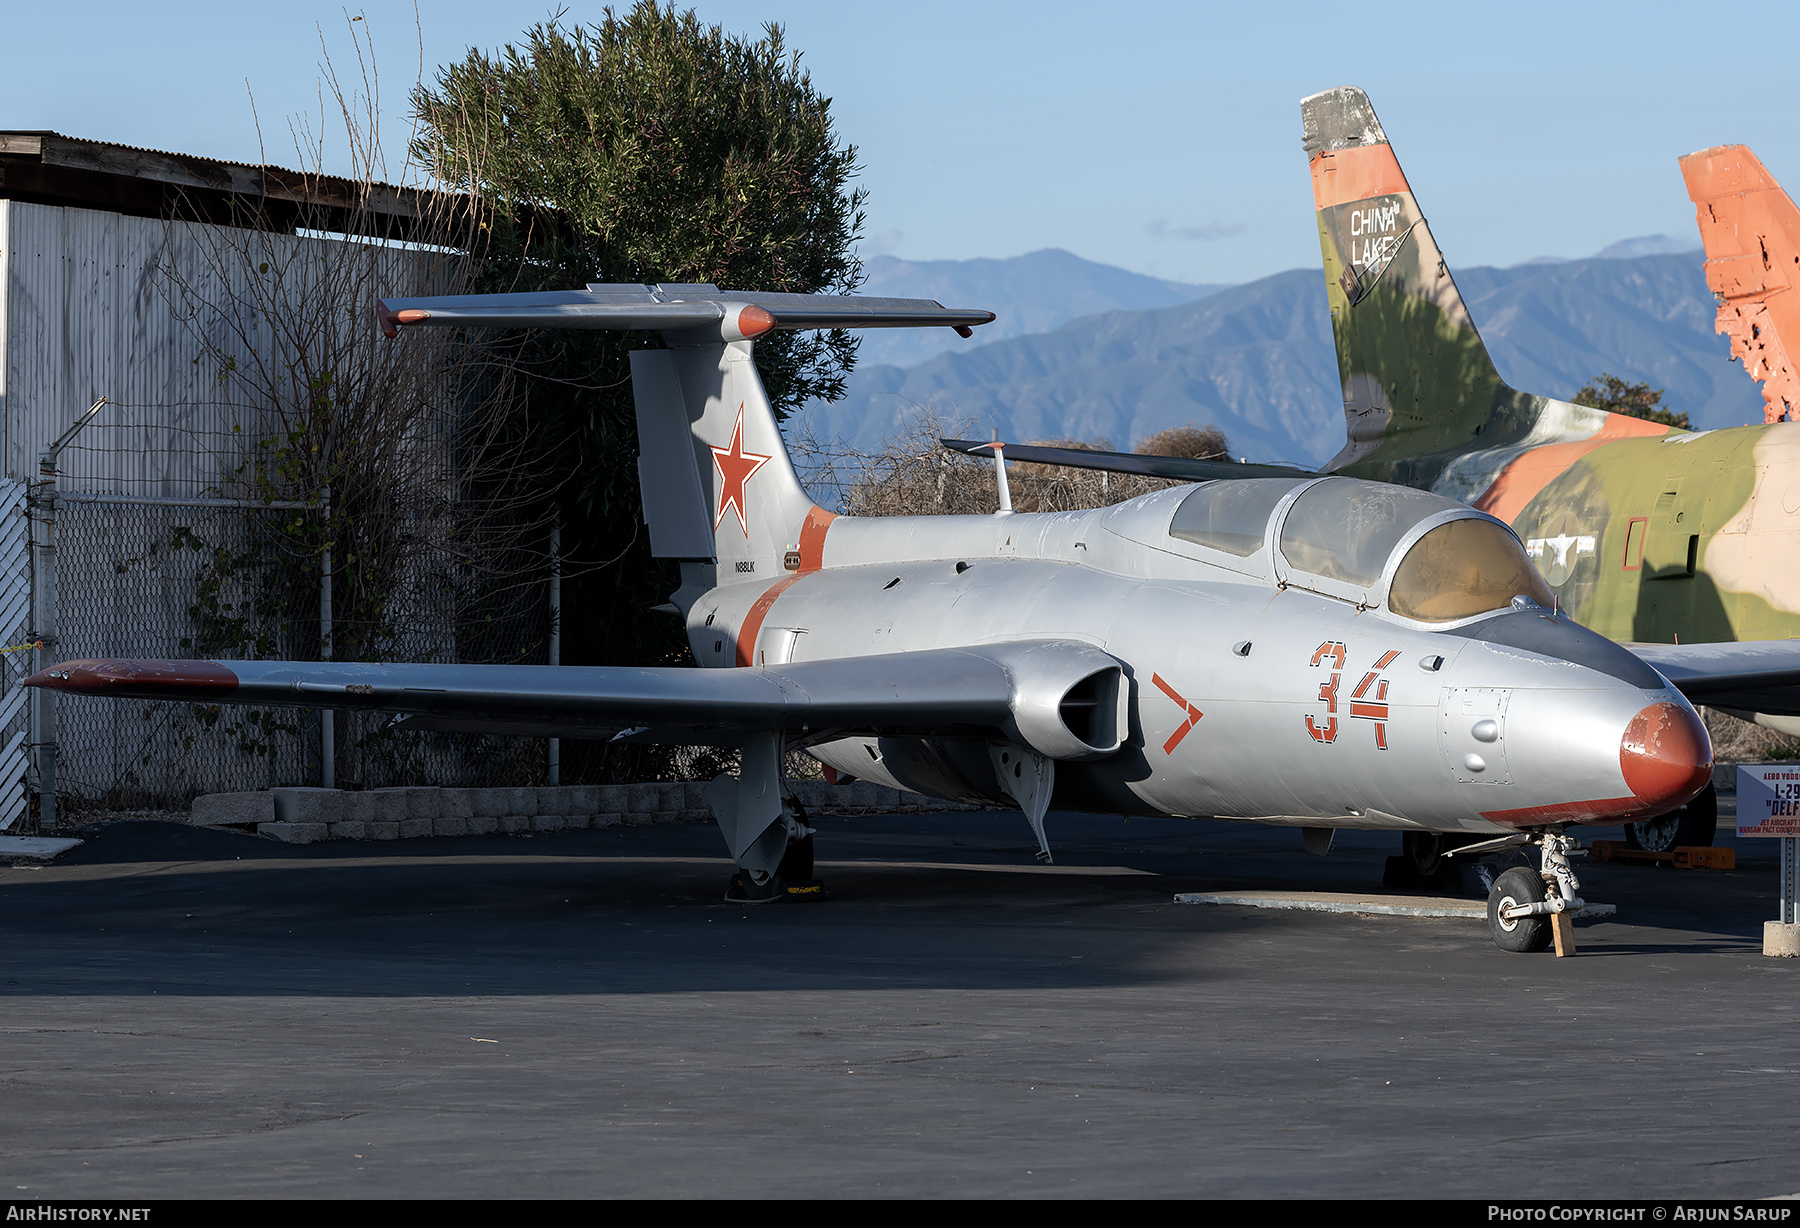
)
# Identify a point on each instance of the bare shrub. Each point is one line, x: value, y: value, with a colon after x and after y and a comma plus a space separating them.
x: 913, y: 475
x: 1738, y: 741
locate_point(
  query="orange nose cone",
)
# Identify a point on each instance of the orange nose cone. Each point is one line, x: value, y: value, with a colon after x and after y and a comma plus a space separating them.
x: 1665, y: 755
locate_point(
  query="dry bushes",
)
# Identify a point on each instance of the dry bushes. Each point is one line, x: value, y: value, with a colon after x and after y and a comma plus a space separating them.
x: 912, y: 475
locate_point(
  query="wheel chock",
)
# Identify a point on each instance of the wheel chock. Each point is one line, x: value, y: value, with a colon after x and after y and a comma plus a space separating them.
x: 1686, y: 857
x: 1562, y: 928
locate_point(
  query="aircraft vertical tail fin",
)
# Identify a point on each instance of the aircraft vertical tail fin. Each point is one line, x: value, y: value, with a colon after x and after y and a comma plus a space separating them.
x: 1423, y: 402
x: 713, y: 471
x: 1751, y: 231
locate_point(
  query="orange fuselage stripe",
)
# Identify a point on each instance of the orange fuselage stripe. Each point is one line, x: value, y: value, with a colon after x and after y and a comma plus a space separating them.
x: 753, y: 621
x: 1520, y: 482
x: 812, y: 538
x: 1346, y: 175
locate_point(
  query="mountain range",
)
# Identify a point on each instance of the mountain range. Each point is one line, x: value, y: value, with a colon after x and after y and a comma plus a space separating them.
x: 1256, y: 360
x: 1033, y: 293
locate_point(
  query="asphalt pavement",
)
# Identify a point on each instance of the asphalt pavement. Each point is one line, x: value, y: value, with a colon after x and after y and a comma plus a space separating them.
x: 193, y: 1013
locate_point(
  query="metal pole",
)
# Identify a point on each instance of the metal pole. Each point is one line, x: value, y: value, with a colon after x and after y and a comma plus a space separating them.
x: 327, y: 722
x: 553, y: 752
x: 43, y: 612
x: 1790, y: 878
x: 43, y: 619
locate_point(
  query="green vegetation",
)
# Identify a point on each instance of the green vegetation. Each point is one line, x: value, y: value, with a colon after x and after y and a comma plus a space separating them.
x: 643, y: 148
x: 1616, y: 396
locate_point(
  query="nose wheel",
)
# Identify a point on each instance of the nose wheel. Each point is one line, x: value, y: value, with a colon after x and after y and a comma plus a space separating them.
x: 1528, y: 909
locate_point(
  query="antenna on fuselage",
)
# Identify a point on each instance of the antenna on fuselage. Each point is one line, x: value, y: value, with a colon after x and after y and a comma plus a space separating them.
x: 999, y: 448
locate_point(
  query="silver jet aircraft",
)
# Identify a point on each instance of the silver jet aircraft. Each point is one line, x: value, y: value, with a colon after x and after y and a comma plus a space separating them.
x: 1306, y: 651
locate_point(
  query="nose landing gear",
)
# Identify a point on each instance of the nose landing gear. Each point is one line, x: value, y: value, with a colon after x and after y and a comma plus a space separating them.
x: 1528, y: 908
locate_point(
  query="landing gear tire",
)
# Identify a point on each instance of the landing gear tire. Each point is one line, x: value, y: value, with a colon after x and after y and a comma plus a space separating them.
x: 1692, y: 826
x: 793, y: 879
x: 1518, y: 886
x: 797, y: 863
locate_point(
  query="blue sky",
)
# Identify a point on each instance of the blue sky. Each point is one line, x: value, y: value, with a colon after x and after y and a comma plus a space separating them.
x: 1160, y: 137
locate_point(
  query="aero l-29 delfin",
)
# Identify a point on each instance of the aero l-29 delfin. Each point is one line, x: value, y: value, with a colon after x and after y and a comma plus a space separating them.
x: 1643, y: 532
x: 1316, y: 652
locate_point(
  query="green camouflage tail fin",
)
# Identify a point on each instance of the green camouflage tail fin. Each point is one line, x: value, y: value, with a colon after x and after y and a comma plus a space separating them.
x: 1423, y: 402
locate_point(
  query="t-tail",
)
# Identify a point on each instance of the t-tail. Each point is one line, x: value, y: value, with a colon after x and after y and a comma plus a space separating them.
x: 1423, y: 402
x: 719, y: 492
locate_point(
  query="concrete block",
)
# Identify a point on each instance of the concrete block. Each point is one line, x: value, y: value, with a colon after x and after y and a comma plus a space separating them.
x: 554, y: 799
x: 514, y: 823
x: 359, y: 807
x: 1781, y: 939
x: 694, y: 796
x: 614, y: 799
x: 294, y: 833
x: 349, y: 829
x: 695, y: 816
x: 522, y: 801
x: 418, y: 802
x: 610, y: 818
x: 456, y: 803
x: 482, y: 825
x: 381, y: 829
x: 307, y: 805
x: 643, y: 799
x: 637, y: 818
x: 222, y: 809
x: 546, y: 822
x: 809, y: 793
x: 442, y: 826
x: 491, y: 803
x: 577, y: 822
x: 584, y: 799
x: 412, y: 829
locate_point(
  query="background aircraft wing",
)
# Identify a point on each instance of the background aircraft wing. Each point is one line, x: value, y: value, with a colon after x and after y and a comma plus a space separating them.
x: 937, y: 690
x: 1753, y: 675
x: 1181, y: 468
x: 676, y: 308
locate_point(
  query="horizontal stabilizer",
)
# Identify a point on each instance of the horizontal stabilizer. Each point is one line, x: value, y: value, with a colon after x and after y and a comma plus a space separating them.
x: 734, y: 315
x: 1179, y: 468
x: 1752, y: 675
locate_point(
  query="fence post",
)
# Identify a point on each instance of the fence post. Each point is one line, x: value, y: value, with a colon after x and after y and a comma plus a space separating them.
x: 43, y: 631
x: 43, y: 613
x: 327, y: 718
x: 553, y: 751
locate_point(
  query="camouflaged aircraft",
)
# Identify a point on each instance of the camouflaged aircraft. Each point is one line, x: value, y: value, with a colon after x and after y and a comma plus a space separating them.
x: 1314, y: 652
x: 1642, y: 532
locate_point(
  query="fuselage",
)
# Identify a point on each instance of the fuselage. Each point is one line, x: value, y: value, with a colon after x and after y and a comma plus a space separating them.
x: 1685, y: 536
x: 1253, y: 695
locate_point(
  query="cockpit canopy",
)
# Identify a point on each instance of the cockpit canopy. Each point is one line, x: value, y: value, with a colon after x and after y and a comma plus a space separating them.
x: 1429, y: 558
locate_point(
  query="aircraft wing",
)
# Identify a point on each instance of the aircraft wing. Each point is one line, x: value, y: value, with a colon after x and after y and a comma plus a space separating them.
x: 1750, y: 675
x: 674, y: 308
x: 939, y: 690
x: 1181, y: 468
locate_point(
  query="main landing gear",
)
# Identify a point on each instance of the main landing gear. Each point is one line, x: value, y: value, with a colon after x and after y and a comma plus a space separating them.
x: 765, y: 832
x: 1692, y: 826
x: 1527, y: 909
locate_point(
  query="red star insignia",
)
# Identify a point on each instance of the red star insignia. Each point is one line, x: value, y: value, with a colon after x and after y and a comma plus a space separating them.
x: 734, y: 467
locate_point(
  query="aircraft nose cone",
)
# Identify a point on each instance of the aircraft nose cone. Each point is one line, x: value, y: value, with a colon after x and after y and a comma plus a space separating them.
x: 1665, y: 755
